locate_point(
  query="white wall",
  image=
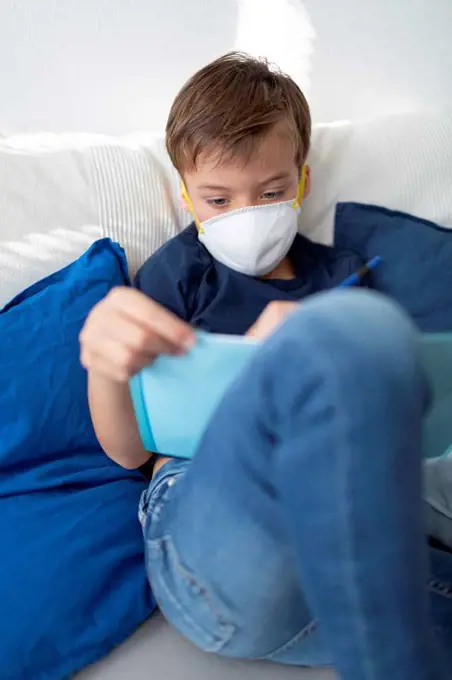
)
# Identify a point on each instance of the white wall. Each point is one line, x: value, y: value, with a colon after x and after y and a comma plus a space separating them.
x: 114, y: 65
x: 375, y: 56
x: 103, y: 65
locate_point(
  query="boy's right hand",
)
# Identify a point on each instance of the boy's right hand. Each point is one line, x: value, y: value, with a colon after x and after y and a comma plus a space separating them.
x: 273, y: 316
x: 126, y: 331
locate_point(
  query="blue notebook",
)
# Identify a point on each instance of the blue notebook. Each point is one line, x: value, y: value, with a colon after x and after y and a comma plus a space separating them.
x: 175, y: 397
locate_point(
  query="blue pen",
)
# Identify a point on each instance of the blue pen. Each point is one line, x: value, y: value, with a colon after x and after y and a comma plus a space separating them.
x: 355, y: 278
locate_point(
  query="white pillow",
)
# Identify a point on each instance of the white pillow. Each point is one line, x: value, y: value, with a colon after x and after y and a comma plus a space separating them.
x: 53, y: 186
x: 137, y: 190
x: 402, y: 162
x: 25, y: 261
x: 45, y: 201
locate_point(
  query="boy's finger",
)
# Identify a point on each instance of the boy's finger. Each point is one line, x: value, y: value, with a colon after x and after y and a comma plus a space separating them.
x: 251, y: 332
x: 135, y: 337
x: 117, y: 360
x: 156, y: 319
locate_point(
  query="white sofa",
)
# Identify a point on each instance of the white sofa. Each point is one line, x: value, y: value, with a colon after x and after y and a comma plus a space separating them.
x: 60, y: 193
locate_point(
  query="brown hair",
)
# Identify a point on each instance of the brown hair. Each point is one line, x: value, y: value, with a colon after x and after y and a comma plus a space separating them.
x: 228, y: 106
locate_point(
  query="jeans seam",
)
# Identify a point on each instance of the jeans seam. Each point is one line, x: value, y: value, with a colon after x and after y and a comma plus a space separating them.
x: 226, y: 628
x: 154, y: 498
x: 301, y: 635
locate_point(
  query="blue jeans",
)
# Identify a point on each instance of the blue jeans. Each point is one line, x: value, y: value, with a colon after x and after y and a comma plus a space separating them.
x: 297, y: 532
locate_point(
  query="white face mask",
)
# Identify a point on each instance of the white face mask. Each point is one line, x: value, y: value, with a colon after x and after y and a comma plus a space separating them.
x: 252, y: 240
x: 255, y: 239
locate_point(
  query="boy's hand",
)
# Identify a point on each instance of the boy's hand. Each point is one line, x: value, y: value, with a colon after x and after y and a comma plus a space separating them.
x: 126, y: 331
x: 271, y: 318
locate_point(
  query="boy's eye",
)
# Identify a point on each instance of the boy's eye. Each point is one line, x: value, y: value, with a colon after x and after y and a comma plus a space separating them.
x: 218, y: 202
x: 272, y: 195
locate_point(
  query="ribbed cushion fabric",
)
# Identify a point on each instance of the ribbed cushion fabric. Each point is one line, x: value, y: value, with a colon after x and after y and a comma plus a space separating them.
x: 135, y: 204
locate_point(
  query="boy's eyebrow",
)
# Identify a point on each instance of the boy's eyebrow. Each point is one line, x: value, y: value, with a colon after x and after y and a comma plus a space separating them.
x: 215, y: 187
x: 273, y: 178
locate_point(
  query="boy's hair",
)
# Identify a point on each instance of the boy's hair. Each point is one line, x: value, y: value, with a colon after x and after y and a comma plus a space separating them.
x: 227, y: 107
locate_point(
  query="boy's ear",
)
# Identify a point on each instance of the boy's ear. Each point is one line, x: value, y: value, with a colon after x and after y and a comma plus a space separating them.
x: 187, y: 205
x: 307, y: 187
x: 183, y: 203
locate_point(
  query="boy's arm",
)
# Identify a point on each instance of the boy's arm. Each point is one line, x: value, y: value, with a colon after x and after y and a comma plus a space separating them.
x: 114, y: 421
x: 124, y: 333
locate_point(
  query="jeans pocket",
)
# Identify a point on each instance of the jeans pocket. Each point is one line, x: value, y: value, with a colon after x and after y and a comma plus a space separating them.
x: 189, y: 605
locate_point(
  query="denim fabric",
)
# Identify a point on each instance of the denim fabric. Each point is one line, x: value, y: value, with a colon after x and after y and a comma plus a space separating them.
x: 297, y: 532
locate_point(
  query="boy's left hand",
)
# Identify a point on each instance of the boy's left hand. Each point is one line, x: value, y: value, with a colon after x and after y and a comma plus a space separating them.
x: 271, y: 318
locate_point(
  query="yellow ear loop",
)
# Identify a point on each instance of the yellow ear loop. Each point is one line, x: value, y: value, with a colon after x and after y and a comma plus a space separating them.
x: 190, y: 206
x: 298, y: 200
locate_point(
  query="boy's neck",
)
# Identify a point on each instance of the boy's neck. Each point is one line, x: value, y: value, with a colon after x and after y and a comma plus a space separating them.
x: 285, y: 270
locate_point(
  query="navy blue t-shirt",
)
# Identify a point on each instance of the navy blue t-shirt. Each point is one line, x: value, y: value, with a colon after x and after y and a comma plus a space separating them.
x: 183, y: 277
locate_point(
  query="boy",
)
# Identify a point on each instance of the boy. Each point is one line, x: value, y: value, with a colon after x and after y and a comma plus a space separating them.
x: 292, y: 511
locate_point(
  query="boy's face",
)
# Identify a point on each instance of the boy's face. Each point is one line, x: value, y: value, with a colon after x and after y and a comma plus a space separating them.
x: 271, y: 175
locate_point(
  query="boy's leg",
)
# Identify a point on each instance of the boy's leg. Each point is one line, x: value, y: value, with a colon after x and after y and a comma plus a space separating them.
x: 308, y: 485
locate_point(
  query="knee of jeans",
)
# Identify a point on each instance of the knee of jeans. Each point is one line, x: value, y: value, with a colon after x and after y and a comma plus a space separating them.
x: 356, y: 331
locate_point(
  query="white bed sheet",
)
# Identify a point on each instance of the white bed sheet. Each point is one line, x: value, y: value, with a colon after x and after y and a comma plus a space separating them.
x: 156, y: 651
